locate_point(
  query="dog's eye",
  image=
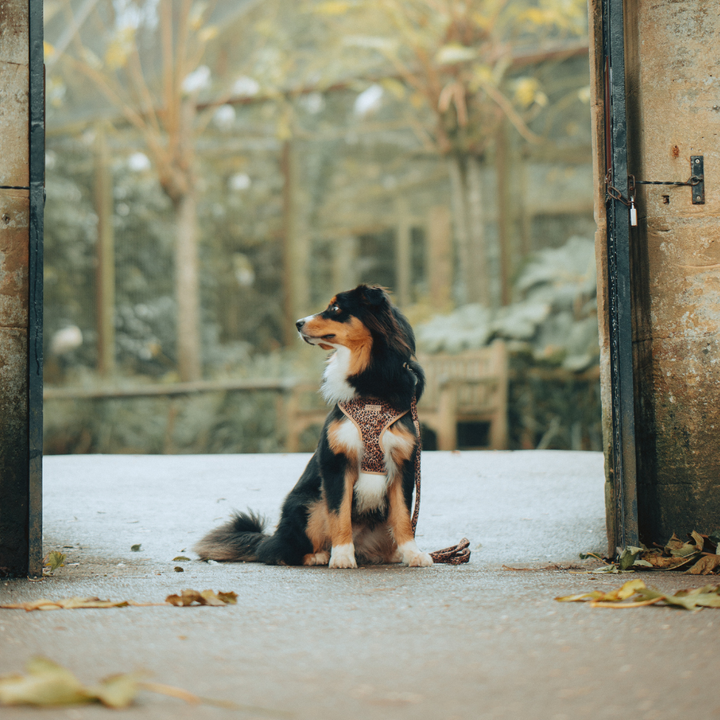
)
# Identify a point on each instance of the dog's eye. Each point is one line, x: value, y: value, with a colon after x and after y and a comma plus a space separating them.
x: 334, y: 309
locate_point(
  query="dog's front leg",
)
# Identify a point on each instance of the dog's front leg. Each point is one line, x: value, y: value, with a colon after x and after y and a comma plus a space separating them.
x: 402, y: 448
x: 339, y: 469
x: 342, y: 554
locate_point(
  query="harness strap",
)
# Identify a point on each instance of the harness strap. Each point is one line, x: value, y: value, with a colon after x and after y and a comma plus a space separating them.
x: 456, y: 554
x: 372, y: 417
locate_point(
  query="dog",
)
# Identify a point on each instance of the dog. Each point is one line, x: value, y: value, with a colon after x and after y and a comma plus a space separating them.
x: 352, y: 503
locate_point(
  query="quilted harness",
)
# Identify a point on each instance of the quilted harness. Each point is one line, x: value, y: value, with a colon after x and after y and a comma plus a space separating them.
x: 372, y: 417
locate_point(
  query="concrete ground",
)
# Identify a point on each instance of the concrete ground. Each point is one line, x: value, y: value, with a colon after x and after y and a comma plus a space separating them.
x: 475, y: 641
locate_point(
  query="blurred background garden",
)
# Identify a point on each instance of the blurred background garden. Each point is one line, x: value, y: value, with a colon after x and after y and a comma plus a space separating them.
x: 216, y: 170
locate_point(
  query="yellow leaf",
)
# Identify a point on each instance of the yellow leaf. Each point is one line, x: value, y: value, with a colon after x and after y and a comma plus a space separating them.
x: 627, y: 590
x: 116, y: 691
x: 45, y: 684
x: 333, y: 7
x: 208, y: 33
x: 526, y: 88
x: 195, y: 17
x: 455, y: 53
x: 394, y: 87
x: 584, y: 95
x: 595, y: 595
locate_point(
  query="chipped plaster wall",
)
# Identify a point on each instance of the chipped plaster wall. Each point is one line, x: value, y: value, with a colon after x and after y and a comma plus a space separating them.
x: 673, y: 107
x: 14, y: 231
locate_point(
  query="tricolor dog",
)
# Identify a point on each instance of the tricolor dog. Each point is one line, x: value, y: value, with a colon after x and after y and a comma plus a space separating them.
x: 352, y: 503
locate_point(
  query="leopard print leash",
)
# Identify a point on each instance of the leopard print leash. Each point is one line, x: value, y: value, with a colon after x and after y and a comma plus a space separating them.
x: 455, y: 554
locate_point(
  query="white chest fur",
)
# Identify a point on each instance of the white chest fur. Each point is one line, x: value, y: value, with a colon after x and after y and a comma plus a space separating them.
x: 335, y: 387
x: 370, y: 488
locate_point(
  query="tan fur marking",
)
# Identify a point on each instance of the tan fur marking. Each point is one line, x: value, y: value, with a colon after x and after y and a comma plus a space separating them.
x: 353, y: 335
x: 336, y: 444
x: 340, y: 523
x: 359, y: 340
x: 318, y: 529
x: 402, y: 451
x: 399, y: 515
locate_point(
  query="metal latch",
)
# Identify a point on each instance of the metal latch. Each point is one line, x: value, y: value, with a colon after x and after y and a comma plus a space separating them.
x: 696, y: 181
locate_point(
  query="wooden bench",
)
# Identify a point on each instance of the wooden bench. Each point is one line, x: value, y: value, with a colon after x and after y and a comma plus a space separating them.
x: 304, y: 408
x: 471, y: 386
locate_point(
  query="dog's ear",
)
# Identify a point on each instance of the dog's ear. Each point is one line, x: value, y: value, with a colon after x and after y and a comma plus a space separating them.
x: 374, y: 296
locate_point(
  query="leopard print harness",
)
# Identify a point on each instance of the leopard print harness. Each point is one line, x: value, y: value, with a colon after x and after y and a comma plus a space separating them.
x: 372, y: 417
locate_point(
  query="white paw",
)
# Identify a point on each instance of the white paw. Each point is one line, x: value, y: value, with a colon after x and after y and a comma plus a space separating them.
x: 320, y: 558
x: 343, y: 556
x: 419, y: 559
x: 412, y: 557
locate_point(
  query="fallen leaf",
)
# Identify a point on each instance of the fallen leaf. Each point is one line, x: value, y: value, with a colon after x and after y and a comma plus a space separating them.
x: 627, y: 557
x: 45, y: 684
x: 579, y: 597
x: 667, y: 563
x: 136, y: 548
x: 206, y: 597
x: 73, y: 603
x: 678, y: 548
x: 639, y: 595
x: 181, y: 558
x: 229, y: 598
x: 177, y: 568
x: 705, y: 565
x: 699, y: 541
x: 116, y: 691
x: 625, y: 591
x: 53, y: 561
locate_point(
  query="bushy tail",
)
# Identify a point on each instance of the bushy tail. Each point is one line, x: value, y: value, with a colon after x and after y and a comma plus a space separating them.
x: 235, y: 541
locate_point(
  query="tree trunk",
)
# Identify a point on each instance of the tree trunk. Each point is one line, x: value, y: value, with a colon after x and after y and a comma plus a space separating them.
x: 187, y: 289
x: 440, y: 257
x: 459, y: 210
x: 296, y: 250
x: 403, y: 273
x: 472, y: 284
x: 478, y: 283
x: 506, y: 212
x: 105, y: 250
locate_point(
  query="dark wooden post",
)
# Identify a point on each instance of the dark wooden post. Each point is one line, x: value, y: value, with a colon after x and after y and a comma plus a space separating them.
x: 22, y: 168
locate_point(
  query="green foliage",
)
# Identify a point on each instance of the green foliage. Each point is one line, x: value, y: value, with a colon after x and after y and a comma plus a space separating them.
x: 554, y: 320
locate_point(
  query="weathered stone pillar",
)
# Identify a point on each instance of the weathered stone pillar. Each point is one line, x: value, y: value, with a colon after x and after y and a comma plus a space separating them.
x: 21, y: 134
x: 673, y: 113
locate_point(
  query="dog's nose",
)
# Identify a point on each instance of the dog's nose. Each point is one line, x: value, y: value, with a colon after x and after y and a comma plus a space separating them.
x: 299, y: 324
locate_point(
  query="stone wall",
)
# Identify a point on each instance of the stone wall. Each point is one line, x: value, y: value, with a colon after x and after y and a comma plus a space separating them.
x: 673, y: 113
x: 14, y: 233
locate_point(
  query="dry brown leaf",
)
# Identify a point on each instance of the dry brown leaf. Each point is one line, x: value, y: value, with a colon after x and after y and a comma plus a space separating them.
x: 206, y: 597
x: 667, y: 563
x: 618, y: 605
x: 72, y: 603
x: 699, y: 540
x: 705, y: 565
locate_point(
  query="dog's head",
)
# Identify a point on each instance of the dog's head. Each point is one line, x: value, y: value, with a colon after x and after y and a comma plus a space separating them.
x: 358, y: 319
x: 379, y: 339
